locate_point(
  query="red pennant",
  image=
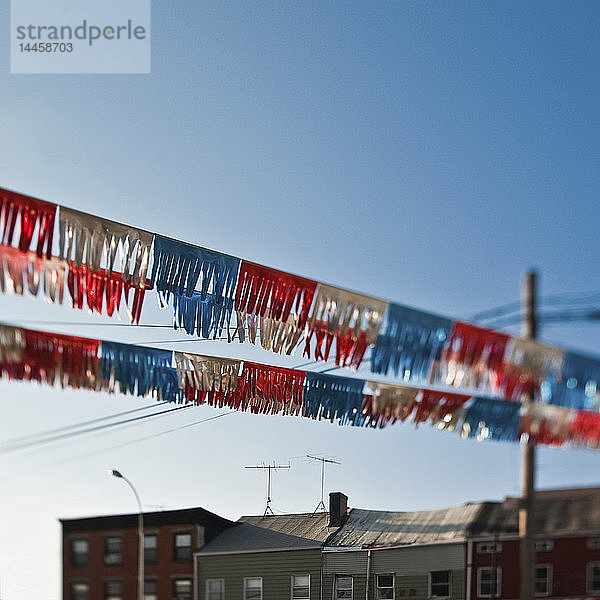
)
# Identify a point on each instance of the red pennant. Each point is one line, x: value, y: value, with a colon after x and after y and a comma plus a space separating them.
x: 94, y: 286
x: 53, y: 358
x: 33, y: 215
x: 270, y: 293
x: 437, y: 405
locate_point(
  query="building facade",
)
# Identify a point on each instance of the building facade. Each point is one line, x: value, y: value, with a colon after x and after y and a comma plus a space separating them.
x: 100, y: 554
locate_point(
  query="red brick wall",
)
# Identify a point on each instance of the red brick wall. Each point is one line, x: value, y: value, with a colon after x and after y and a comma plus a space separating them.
x: 569, y: 558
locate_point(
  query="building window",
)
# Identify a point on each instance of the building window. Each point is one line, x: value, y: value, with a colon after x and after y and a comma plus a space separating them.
x: 113, y: 589
x: 80, y: 591
x: 300, y: 587
x: 253, y: 588
x: 593, y: 578
x: 150, y: 589
x: 183, y: 546
x: 79, y: 553
x: 542, y: 583
x: 544, y: 546
x: 112, y: 550
x: 343, y: 587
x: 215, y: 589
x: 150, y: 547
x: 385, y: 587
x: 489, y: 547
x: 439, y: 584
x: 182, y: 588
x: 593, y: 543
x: 489, y: 582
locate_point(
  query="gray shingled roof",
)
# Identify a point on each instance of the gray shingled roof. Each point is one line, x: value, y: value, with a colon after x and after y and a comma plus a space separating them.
x: 558, y: 512
x: 387, y: 528
x: 273, y: 532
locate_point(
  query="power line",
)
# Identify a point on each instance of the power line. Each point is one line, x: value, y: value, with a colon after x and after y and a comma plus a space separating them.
x: 63, y: 436
x: 48, y: 432
x: 123, y: 444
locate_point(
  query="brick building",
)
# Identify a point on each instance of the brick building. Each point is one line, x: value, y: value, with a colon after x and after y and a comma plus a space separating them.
x: 100, y: 554
x: 567, y: 547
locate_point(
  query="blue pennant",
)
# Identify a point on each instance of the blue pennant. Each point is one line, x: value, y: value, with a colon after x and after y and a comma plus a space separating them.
x: 334, y: 398
x: 202, y: 317
x: 410, y: 341
x: 578, y: 385
x: 141, y: 371
x: 177, y: 267
x: 493, y: 419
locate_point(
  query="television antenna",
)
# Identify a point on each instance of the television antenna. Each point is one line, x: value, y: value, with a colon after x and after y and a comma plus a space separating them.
x: 321, y: 506
x: 268, y: 469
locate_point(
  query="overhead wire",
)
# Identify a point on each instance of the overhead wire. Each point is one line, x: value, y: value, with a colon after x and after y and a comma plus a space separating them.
x: 63, y: 436
x: 48, y: 432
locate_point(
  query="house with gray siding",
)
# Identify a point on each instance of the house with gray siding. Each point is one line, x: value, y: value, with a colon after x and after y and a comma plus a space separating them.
x: 270, y: 556
x: 342, y: 554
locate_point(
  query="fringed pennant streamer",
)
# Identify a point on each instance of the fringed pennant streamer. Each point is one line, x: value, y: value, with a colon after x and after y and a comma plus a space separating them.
x: 334, y: 398
x: 544, y: 424
x: 410, y: 343
x: 93, y: 287
x: 385, y: 403
x: 95, y: 243
x: 58, y: 359
x: 139, y: 371
x: 528, y: 364
x: 352, y: 319
x: 205, y: 318
x: 12, y: 344
x: 585, y: 429
x: 489, y: 419
x: 579, y: 385
x: 442, y: 408
x: 473, y: 357
x: 279, y: 301
x: 36, y: 222
x: 25, y: 271
x: 269, y: 390
x: 207, y: 378
x: 178, y: 268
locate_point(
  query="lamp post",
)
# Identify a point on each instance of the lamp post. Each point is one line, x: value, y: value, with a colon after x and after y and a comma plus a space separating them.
x: 119, y: 475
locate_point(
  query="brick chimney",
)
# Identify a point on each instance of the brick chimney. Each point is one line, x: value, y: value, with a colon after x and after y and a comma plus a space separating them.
x: 338, y: 509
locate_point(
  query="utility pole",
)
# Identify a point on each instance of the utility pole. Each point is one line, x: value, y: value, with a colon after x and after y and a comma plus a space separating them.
x: 269, y: 468
x: 527, y: 506
x: 322, y: 460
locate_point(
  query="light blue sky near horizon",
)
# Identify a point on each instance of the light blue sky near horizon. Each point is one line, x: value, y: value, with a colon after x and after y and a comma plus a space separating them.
x: 428, y: 153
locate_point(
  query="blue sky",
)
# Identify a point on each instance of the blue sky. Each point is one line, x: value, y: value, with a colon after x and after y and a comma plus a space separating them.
x: 428, y: 153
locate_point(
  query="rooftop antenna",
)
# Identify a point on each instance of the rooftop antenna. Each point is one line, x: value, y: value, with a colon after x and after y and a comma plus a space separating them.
x: 321, y: 506
x: 269, y: 468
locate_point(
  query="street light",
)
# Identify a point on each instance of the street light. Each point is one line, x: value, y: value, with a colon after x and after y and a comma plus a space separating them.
x: 119, y: 475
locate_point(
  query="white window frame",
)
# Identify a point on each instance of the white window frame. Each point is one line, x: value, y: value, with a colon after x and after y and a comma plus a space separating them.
x: 222, y: 590
x: 449, y: 583
x: 377, y: 588
x: 549, y: 577
x: 498, y: 582
x: 292, y: 586
x: 148, y: 580
x: 489, y: 547
x: 544, y: 546
x: 179, y: 578
x: 589, y: 568
x: 335, y: 588
x: 246, y: 588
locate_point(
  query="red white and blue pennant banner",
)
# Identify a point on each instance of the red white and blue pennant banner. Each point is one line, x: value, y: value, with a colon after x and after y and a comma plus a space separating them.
x: 105, y: 265
x: 55, y: 359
